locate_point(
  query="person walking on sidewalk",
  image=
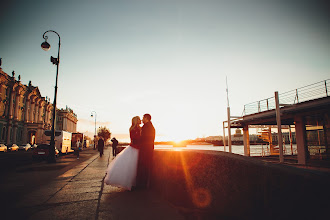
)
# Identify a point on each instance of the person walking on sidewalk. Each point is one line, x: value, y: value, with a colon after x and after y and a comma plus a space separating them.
x: 100, y: 146
x: 114, y: 146
x: 77, y: 148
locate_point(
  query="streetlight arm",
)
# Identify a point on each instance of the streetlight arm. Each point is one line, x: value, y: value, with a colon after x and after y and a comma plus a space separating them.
x: 46, y: 37
x: 59, y: 43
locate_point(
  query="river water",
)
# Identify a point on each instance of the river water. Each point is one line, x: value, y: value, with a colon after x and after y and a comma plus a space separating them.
x: 255, y: 150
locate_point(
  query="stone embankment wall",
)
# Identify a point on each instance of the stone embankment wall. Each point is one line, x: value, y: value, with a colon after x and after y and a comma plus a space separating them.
x: 219, y: 185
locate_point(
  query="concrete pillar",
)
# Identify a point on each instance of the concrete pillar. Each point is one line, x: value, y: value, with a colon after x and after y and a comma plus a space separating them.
x: 279, y: 127
x: 290, y: 139
x: 301, y: 139
x: 246, y: 140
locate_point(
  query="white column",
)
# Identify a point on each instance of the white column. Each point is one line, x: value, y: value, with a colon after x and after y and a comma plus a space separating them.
x: 279, y: 127
x: 11, y: 107
x: 36, y: 109
x: 40, y: 112
x: 27, y: 110
x: 16, y: 110
x: 32, y: 105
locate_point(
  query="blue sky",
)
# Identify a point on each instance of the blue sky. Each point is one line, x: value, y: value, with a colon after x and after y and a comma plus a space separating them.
x: 167, y: 58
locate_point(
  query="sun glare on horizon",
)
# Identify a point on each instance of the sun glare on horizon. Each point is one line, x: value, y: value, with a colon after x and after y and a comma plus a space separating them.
x: 177, y: 135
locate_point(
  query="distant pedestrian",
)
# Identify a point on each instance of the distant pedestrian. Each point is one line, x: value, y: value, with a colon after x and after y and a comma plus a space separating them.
x: 114, y: 146
x: 94, y: 142
x: 100, y: 146
x: 77, y: 148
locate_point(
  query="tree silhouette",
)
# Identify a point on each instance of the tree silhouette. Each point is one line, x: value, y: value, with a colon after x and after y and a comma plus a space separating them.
x: 105, y: 133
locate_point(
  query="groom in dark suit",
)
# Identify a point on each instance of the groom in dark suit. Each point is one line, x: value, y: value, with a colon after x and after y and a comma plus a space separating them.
x: 146, y: 152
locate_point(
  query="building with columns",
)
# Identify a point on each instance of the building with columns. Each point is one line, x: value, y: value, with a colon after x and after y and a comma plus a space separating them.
x: 25, y: 114
x: 66, y: 120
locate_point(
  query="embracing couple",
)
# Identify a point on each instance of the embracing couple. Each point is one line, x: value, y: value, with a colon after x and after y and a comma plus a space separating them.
x: 131, y: 168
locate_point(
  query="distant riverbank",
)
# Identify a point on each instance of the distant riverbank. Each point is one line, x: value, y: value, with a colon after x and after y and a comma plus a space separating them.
x: 255, y: 150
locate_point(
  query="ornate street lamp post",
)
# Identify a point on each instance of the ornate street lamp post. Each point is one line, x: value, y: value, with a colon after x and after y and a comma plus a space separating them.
x: 56, y: 61
x: 95, y: 129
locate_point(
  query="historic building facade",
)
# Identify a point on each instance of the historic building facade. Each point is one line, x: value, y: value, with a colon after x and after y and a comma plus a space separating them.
x: 25, y: 114
x: 66, y: 120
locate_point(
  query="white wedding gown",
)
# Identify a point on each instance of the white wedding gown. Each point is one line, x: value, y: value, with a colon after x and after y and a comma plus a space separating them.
x: 123, y: 169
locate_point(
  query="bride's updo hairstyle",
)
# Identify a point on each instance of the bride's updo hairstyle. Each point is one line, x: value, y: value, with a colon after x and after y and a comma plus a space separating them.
x: 135, y: 123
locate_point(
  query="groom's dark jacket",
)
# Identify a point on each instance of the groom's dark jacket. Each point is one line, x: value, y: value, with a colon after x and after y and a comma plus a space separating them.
x: 145, y: 154
x: 147, y: 136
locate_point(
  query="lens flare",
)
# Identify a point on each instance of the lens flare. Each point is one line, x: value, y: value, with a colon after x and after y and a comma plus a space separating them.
x: 201, y: 197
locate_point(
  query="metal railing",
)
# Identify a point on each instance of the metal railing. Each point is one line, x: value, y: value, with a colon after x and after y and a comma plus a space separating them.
x: 314, y: 91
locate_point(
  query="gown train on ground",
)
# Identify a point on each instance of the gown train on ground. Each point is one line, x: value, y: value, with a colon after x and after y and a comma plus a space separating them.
x: 123, y: 169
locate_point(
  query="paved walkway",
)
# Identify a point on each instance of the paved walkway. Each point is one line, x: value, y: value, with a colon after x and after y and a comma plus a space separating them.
x: 80, y: 193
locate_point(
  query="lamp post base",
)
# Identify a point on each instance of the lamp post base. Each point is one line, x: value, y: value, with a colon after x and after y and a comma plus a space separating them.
x: 51, y: 157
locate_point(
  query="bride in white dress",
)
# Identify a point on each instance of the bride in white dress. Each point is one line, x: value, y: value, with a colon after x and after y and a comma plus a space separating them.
x: 123, y: 169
